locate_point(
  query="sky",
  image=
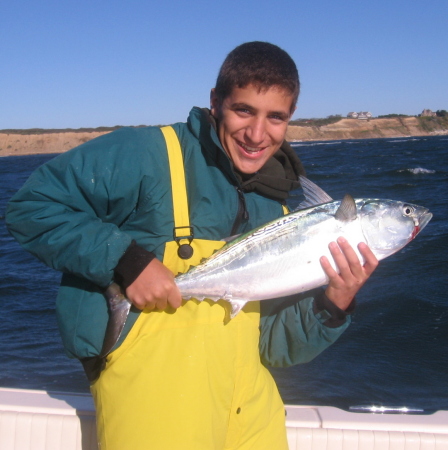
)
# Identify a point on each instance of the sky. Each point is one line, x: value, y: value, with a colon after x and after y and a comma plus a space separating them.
x: 91, y: 63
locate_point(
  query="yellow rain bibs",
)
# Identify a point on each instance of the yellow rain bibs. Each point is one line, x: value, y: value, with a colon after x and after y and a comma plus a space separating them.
x: 189, y: 378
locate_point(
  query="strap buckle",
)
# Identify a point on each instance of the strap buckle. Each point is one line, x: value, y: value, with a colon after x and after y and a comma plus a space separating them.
x: 190, y: 236
x: 185, y: 251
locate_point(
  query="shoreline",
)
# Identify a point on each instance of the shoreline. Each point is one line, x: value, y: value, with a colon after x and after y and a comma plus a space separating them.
x: 397, y: 127
x: 12, y: 144
x: 16, y: 143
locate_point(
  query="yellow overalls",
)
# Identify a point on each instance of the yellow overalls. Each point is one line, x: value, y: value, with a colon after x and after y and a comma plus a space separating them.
x: 189, y: 378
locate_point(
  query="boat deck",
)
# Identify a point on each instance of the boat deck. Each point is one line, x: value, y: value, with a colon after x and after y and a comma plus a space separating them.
x: 40, y: 420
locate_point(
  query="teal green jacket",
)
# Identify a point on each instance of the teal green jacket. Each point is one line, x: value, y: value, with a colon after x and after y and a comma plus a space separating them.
x: 79, y: 213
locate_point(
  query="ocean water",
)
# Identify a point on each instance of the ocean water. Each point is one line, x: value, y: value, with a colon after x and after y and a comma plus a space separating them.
x: 395, y: 352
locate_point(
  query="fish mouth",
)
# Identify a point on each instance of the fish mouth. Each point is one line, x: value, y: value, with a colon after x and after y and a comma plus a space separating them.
x: 420, y: 222
x: 424, y: 219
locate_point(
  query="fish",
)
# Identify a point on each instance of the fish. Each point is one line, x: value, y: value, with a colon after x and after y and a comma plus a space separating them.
x: 119, y: 307
x: 282, y: 257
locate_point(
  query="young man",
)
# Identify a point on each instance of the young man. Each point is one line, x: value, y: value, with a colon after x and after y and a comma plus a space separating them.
x: 183, y: 376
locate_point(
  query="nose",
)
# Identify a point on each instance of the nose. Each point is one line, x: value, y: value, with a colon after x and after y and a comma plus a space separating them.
x: 256, y: 130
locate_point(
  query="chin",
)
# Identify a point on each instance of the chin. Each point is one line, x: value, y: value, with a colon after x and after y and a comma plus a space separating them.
x: 249, y: 168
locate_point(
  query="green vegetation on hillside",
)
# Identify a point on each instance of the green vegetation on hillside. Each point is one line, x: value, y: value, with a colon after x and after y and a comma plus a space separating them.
x: 60, y: 130
x: 66, y: 130
x: 433, y: 123
x: 316, y: 122
x: 392, y: 116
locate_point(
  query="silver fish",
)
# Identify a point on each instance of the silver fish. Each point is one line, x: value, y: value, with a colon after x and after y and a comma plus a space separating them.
x: 119, y: 307
x: 282, y: 257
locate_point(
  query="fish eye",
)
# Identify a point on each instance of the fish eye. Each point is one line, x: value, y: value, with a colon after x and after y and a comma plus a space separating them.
x: 408, y: 210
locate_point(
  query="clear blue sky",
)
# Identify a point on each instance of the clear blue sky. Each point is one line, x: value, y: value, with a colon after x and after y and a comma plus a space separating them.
x: 71, y: 64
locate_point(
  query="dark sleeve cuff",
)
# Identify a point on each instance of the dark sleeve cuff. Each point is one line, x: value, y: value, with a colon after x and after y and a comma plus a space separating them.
x: 333, y: 317
x: 131, y: 264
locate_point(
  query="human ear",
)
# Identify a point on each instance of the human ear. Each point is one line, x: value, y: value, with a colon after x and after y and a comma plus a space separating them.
x: 215, y: 104
x: 292, y: 112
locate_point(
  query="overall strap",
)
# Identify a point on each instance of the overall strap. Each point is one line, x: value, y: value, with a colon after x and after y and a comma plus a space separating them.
x: 182, y: 232
x: 182, y: 240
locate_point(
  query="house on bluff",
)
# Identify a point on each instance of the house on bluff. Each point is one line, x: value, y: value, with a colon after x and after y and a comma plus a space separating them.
x: 363, y: 115
x: 428, y: 113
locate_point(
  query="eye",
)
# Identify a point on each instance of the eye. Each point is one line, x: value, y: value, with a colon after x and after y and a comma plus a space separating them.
x: 278, y: 118
x: 408, y: 210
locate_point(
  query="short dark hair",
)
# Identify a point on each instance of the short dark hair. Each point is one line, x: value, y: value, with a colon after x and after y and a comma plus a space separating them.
x: 259, y: 63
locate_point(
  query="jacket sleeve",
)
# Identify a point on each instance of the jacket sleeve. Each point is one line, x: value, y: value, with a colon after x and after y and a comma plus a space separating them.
x: 68, y: 214
x: 296, y: 329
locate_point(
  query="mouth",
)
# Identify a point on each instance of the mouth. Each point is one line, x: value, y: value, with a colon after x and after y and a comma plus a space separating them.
x: 252, y: 151
x: 415, y: 232
x: 421, y: 222
x: 424, y: 219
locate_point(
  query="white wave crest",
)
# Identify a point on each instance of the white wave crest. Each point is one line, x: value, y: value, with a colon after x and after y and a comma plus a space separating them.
x: 403, y: 140
x: 418, y: 170
x: 312, y: 144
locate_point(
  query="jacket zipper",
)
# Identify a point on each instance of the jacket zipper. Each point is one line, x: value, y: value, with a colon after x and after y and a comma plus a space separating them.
x: 242, y: 213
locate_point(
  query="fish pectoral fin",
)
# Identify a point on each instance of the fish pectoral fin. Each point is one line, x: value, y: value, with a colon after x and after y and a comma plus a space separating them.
x: 237, y: 306
x: 314, y: 195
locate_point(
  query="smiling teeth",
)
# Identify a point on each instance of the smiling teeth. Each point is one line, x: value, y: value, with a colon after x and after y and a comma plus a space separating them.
x: 250, y: 149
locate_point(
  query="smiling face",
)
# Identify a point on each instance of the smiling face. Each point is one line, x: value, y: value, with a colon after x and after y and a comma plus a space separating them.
x: 252, y: 124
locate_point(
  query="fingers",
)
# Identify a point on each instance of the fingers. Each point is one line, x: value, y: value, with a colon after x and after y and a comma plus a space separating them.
x: 370, y: 260
x: 352, y: 275
x: 154, y: 288
x: 348, y: 261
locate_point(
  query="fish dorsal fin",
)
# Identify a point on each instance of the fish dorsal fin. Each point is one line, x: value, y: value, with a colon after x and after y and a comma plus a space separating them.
x: 347, y: 209
x: 314, y: 195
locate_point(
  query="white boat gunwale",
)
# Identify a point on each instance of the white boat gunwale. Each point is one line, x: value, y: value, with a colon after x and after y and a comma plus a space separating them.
x: 67, y: 420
